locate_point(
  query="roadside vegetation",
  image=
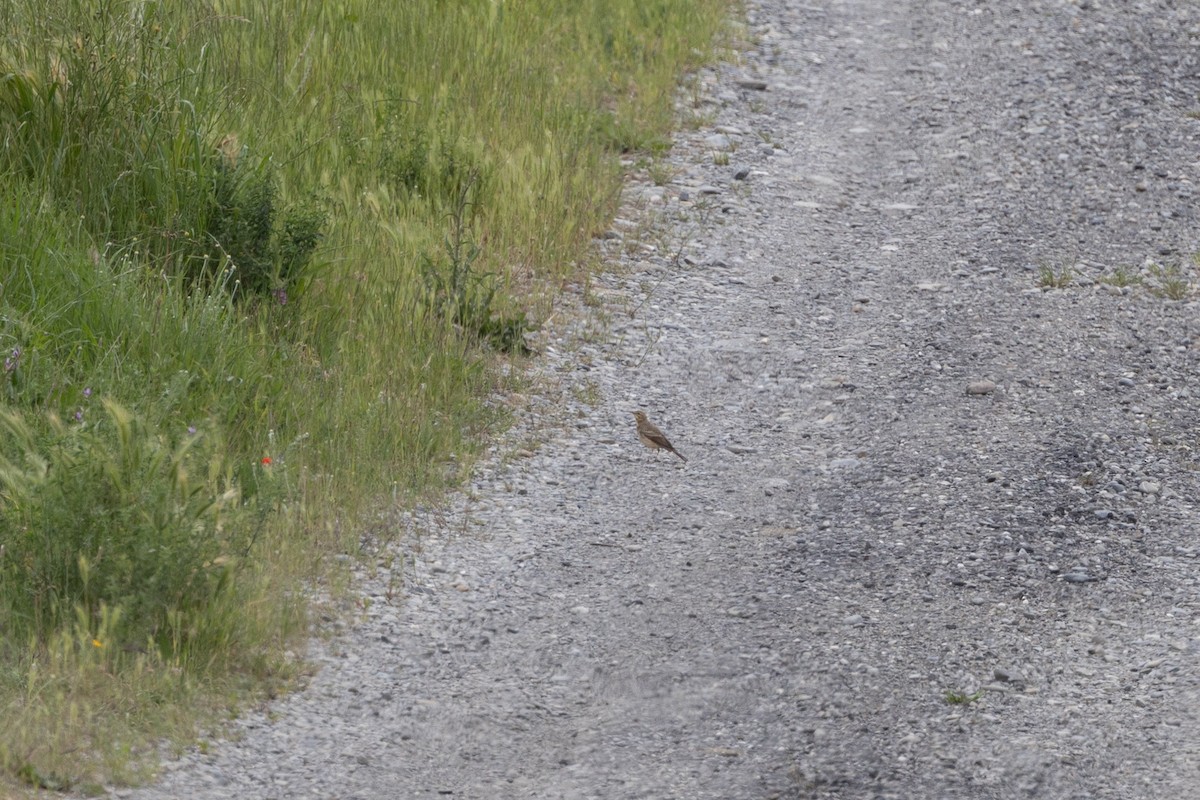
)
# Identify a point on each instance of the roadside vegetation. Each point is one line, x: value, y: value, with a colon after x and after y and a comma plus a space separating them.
x: 258, y: 262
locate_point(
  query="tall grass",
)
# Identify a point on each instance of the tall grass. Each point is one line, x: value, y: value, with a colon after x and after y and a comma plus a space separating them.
x: 256, y: 262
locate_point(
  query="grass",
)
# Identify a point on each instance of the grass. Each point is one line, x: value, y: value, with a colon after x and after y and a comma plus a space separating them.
x: 956, y: 697
x: 257, y: 266
x: 1169, y: 281
x: 1122, y: 277
x: 661, y: 173
x: 1051, y: 278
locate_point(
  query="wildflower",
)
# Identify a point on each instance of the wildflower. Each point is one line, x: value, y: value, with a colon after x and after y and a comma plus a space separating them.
x: 13, y: 360
x: 191, y: 430
x: 281, y: 296
x: 87, y: 392
x: 97, y: 643
x: 266, y: 461
x: 79, y: 415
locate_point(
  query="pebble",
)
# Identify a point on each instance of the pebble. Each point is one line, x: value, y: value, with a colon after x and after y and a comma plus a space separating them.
x: 1006, y: 675
x: 752, y: 83
x: 981, y: 387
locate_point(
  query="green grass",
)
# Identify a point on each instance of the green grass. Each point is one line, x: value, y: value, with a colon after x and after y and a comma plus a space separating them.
x: 956, y: 697
x: 1051, y: 278
x: 1169, y: 281
x: 1122, y: 277
x: 257, y: 263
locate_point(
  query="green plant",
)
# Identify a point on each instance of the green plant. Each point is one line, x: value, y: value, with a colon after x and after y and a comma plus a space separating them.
x: 129, y: 206
x: 1050, y: 278
x: 661, y: 173
x: 1169, y: 281
x: 428, y: 160
x: 256, y: 253
x: 111, y: 515
x: 956, y: 697
x: 465, y: 295
x: 1121, y: 277
x: 721, y: 159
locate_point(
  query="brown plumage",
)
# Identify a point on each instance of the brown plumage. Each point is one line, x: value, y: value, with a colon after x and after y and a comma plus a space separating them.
x: 651, y: 436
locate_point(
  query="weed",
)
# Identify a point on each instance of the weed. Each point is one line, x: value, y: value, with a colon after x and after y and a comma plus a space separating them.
x: 465, y: 295
x: 1050, y: 278
x: 661, y: 173
x: 721, y: 159
x: 259, y: 255
x: 1121, y: 277
x: 696, y: 120
x: 588, y: 394
x: 956, y: 697
x: 144, y: 526
x: 1169, y: 281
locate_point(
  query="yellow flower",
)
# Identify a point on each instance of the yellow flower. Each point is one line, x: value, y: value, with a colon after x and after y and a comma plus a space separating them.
x: 97, y: 643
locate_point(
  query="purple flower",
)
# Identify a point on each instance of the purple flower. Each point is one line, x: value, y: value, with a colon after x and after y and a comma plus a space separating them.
x: 191, y: 430
x: 87, y: 392
x: 13, y: 360
x: 281, y: 296
x: 79, y: 415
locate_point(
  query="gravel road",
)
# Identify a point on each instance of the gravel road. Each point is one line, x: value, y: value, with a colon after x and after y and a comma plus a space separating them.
x: 918, y: 472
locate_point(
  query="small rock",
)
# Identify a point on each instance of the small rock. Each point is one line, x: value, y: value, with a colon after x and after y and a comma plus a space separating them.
x: 1007, y: 675
x: 752, y: 83
x: 1150, y: 487
x: 1078, y: 576
x: 741, y: 173
x: 845, y: 463
x: 718, y: 141
x: 981, y: 387
x: 708, y: 188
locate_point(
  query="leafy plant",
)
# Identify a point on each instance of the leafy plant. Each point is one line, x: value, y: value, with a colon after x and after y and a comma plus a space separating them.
x: 115, y: 516
x: 429, y: 161
x: 260, y: 255
x: 465, y: 295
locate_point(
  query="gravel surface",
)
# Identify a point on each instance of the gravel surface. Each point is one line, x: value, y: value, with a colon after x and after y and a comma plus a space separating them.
x: 916, y: 474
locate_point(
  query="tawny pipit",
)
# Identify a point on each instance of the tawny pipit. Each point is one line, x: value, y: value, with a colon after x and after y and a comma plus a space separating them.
x: 651, y: 436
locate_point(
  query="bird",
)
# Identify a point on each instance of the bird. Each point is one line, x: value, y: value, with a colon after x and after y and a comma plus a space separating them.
x: 651, y: 436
